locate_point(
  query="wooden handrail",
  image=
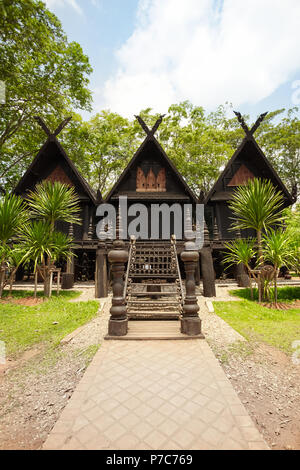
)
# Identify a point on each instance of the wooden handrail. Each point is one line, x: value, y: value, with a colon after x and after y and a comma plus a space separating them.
x: 173, y: 243
x: 132, y: 243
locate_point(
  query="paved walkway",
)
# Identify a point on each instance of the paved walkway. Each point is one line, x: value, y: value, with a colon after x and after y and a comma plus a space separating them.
x: 155, y: 395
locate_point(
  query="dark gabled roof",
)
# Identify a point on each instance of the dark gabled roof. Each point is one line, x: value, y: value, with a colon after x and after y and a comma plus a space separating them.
x: 22, y: 185
x: 140, y: 150
x: 265, y: 162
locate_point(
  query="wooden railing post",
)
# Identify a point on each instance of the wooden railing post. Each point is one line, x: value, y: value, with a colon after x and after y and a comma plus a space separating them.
x: 118, y: 322
x: 101, y: 289
x: 190, y: 322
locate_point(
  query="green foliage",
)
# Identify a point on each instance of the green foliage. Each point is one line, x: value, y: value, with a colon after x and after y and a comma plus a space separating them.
x: 278, y: 248
x: 286, y: 293
x: 44, y: 74
x: 262, y: 324
x: 54, y: 201
x: 292, y: 223
x: 24, y: 326
x: 49, y: 202
x: 281, y: 143
x: 256, y: 205
x: 13, y: 217
x: 40, y: 242
x: 239, y: 251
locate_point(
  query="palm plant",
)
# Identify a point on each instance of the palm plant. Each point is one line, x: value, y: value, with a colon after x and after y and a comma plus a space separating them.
x: 53, y: 201
x: 257, y: 206
x: 13, y: 218
x: 16, y: 257
x: 278, y: 250
x: 241, y: 251
x: 41, y: 245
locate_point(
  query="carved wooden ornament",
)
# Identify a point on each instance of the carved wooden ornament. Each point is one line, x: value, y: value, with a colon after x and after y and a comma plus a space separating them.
x: 161, y: 180
x: 140, y: 180
x: 241, y: 177
x: 58, y: 174
x: 151, y: 181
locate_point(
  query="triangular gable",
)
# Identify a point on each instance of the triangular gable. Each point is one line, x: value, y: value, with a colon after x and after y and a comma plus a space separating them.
x: 250, y: 155
x: 52, y: 163
x: 164, y: 160
x: 241, y: 176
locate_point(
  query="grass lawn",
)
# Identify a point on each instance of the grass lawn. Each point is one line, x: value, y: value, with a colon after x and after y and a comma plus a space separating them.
x: 48, y: 322
x: 278, y: 328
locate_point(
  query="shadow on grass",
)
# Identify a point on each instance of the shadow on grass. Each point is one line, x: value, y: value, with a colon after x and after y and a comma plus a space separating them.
x: 21, y: 294
x: 285, y: 294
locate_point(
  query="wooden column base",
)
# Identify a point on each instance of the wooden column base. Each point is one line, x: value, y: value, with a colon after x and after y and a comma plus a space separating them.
x: 67, y: 281
x: 117, y: 327
x: 191, y: 326
x: 208, y: 273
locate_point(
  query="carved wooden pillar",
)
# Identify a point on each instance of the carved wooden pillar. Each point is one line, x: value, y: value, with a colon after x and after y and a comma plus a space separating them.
x: 67, y: 279
x: 101, y: 287
x: 85, y: 221
x: 190, y: 322
x: 208, y: 273
x: 216, y: 235
x: 240, y: 273
x: 118, y: 322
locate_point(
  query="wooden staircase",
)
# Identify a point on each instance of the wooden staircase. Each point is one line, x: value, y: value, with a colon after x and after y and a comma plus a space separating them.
x: 153, y: 285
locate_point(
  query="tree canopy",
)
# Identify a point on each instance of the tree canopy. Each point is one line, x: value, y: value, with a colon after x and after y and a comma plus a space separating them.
x: 44, y: 74
x: 47, y: 75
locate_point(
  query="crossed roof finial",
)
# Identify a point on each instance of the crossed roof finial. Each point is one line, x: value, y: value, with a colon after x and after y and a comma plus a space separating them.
x: 249, y: 132
x: 150, y: 133
x: 44, y: 126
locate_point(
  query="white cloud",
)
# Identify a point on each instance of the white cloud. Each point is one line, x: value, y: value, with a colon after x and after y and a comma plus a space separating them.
x: 207, y: 51
x: 60, y: 3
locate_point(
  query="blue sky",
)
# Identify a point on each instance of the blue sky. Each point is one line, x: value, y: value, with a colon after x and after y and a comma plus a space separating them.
x: 158, y: 52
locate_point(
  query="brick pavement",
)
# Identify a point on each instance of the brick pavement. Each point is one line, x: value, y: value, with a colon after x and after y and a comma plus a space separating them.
x: 155, y: 395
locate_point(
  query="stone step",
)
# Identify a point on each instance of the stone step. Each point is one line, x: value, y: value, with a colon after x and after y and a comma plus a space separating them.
x: 149, y: 294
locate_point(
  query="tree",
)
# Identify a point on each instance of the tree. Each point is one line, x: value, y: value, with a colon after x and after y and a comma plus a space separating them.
x: 258, y: 206
x: 51, y: 202
x: 281, y: 143
x: 43, y: 73
x: 13, y: 219
x: 292, y: 224
x: 107, y: 142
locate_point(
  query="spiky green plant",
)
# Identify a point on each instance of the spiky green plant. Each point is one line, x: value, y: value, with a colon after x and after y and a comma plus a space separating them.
x: 13, y: 218
x: 279, y: 251
x: 54, y: 201
x: 240, y: 251
x: 258, y: 206
x: 42, y: 245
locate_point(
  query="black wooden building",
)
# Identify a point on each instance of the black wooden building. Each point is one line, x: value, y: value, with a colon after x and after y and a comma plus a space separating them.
x: 150, y: 177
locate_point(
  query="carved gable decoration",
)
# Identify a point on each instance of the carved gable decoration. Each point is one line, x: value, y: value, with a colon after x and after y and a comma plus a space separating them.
x: 161, y: 180
x: 150, y: 183
x: 140, y: 180
x: 241, y: 177
x: 58, y: 174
